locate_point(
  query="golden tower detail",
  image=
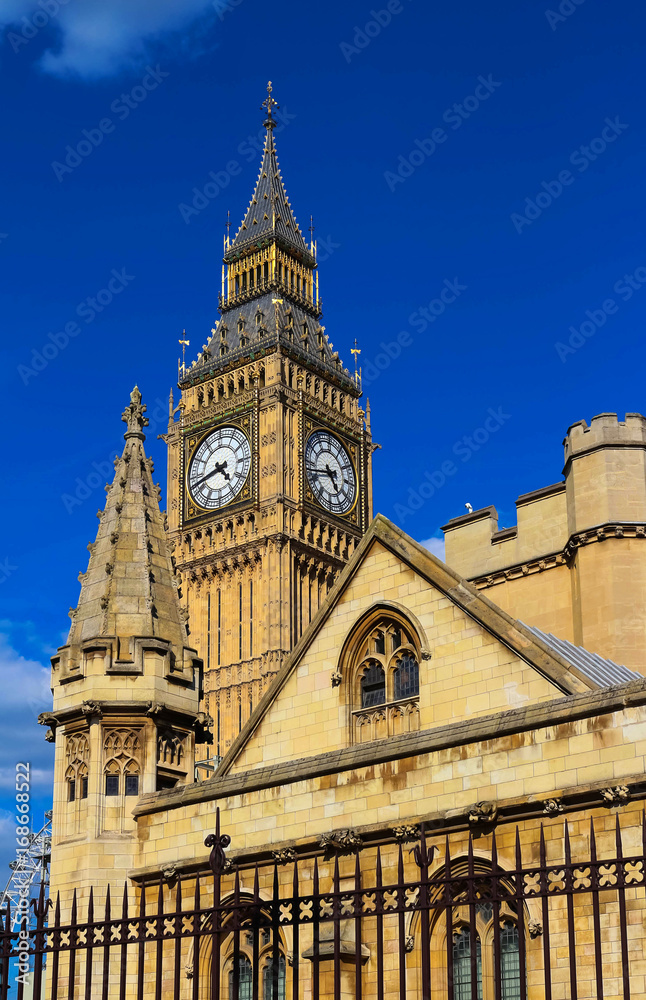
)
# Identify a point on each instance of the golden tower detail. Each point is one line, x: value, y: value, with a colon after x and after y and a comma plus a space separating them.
x: 269, y: 461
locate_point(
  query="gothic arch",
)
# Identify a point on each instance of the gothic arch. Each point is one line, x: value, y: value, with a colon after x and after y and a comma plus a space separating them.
x: 460, y: 924
x: 245, y: 950
x: 379, y: 670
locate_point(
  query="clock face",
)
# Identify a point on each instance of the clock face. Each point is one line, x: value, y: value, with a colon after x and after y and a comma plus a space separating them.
x: 219, y: 468
x: 330, y: 473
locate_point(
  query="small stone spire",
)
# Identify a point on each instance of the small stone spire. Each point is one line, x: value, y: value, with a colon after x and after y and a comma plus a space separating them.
x: 130, y: 592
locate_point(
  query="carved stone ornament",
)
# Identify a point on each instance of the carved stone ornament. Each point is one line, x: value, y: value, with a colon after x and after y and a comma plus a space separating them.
x: 47, y: 719
x: 410, y: 942
x: 169, y: 872
x: 483, y: 813
x: 535, y: 928
x: 284, y: 857
x: 405, y: 834
x: 133, y: 415
x: 89, y: 708
x: 50, y: 736
x: 154, y: 709
x: 613, y: 796
x: 426, y: 654
x: 551, y: 807
x: 336, y: 678
x: 340, y: 841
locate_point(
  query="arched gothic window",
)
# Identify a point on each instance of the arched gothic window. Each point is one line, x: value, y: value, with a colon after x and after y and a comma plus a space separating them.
x: 485, y: 959
x: 121, y: 754
x: 373, y: 685
x: 380, y: 664
x: 77, y: 755
x: 268, y: 979
x: 263, y: 946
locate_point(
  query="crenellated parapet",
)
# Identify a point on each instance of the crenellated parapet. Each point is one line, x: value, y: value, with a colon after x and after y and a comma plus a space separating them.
x: 575, y: 561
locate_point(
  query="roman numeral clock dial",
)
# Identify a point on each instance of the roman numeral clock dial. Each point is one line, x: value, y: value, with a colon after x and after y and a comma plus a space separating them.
x: 219, y: 468
x: 330, y: 473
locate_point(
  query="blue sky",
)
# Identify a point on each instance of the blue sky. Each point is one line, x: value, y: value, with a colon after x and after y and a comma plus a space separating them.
x: 475, y: 173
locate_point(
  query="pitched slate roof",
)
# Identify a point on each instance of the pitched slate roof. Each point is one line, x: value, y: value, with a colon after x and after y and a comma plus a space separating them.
x: 264, y: 324
x: 603, y: 673
x: 269, y: 212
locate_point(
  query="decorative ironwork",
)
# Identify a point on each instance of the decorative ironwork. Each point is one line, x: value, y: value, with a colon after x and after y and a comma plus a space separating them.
x: 392, y: 931
x: 217, y: 842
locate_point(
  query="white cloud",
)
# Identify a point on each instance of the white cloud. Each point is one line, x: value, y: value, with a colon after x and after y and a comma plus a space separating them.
x: 436, y: 546
x: 25, y: 687
x: 99, y: 38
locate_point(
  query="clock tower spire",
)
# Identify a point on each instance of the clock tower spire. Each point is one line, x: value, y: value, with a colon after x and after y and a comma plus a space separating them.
x: 269, y: 463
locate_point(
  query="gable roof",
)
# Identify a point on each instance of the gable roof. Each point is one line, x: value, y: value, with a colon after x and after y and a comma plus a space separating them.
x: 548, y: 661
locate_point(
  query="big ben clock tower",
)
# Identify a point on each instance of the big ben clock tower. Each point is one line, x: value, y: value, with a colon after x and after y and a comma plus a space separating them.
x: 269, y: 463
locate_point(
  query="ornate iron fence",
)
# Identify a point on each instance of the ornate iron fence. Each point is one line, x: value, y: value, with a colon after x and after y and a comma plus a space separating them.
x: 432, y: 921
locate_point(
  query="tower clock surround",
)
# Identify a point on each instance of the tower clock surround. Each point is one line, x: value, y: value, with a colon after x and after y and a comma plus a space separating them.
x: 269, y: 404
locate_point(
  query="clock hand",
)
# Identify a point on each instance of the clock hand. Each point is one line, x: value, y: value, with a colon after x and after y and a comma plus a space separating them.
x: 219, y: 467
x: 332, y: 475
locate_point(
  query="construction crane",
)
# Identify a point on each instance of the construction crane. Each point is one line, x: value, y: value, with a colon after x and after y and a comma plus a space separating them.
x: 30, y: 870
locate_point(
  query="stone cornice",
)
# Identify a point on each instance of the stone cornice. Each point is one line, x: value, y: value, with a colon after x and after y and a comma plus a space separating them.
x: 450, y: 821
x: 487, y: 727
x: 596, y: 533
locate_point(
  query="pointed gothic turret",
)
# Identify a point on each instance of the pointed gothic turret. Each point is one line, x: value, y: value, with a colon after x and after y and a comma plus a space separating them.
x: 270, y: 292
x: 270, y: 212
x: 129, y: 593
x: 127, y: 683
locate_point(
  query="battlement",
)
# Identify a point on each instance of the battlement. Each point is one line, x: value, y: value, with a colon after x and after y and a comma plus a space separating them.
x: 605, y: 431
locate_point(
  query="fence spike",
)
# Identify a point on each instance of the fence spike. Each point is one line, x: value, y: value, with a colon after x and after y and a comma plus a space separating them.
x: 593, y: 843
x: 620, y: 854
x: 541, y: 850
x: 566, y: 834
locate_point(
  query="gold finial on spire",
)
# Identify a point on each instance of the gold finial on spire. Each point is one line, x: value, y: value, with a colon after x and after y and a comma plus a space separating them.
x: 181, y: 370
x: 311, y: 228
x: 357, y: 371
x: 269, y: 104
